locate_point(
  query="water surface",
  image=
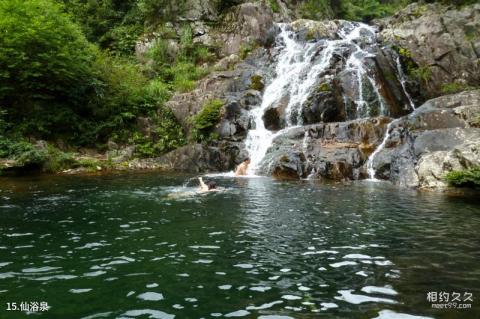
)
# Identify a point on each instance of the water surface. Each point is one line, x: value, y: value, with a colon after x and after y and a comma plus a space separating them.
x: 143, y: 246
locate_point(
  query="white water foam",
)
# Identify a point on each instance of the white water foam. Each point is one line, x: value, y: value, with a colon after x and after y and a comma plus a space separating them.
x: 299, y: 67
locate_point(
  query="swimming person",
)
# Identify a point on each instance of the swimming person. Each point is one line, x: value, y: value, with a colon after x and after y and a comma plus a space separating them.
x: 208, y: 187
x: 242, y: 168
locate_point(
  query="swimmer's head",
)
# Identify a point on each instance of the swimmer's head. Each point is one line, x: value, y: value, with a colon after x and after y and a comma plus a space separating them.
x: 247, y: 160
x: 211, y: 185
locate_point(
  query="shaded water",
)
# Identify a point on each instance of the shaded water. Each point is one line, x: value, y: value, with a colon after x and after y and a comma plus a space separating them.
x: 138, y: 246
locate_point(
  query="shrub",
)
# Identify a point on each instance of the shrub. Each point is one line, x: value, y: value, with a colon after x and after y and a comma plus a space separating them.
x: 421, y: 73
x: 56, y: 160
x: 205, y: 120
x: 316, y: 9
x: 167, y: 136
x: 122, y: 39
x: 464, y: 178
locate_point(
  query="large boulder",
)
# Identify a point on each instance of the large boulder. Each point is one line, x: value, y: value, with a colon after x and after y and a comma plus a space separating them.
x: 333, y: 151
x: 440, y: 136
x: 194, y: 158
x: 443, y: 41
x: 247, y: 24
x: 274, y: 117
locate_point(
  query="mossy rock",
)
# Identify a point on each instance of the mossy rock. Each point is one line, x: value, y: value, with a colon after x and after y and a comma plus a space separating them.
x: 257, y: 83
x: 324, y: 87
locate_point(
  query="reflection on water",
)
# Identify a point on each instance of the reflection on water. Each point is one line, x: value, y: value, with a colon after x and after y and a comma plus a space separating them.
x: 149, y: 246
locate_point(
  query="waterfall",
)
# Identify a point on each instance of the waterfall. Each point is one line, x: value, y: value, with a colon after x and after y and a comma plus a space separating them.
x: 299, y: 67
x: 403, y: 80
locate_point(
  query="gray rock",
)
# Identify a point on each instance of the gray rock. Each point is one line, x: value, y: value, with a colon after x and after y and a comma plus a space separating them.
x: 440, y: 39
x: 121, y: 155
x: 194, y: 158
x: 437, y: 138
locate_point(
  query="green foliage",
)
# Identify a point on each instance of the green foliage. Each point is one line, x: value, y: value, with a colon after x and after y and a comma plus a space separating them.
x: 421, y: 73
x: 185, y: 75
x: 161, y: 53
x: 366, y: 10
x: 246, y: 48
x: 114, y: 25
x: 3, y: 122
x: 274, y: 5
x: 45, y: 61
x: 180, y: 69
x: 90, y: 164
x: 205, y: 120
x: 11, y: 148
x: 167, y: 136
x: 256, y: 83
x: 55, y: 160
x: 316, y: 9
x: 122, y: 39
x: 25, y: 154
x: 456, y: 87
x: 160, y: 11
x: 405, y: 53
x: 464, y: 178
x: 324, y: 87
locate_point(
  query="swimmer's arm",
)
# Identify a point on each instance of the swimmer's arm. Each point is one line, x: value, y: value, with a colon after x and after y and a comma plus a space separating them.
x: 203, y: 186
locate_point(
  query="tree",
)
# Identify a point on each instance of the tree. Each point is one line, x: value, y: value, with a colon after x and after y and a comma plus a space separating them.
x: 45, y: 63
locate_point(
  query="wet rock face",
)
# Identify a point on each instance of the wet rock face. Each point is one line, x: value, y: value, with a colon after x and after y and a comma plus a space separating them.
x: 274, y: 117
x: 333, y: 151
x: 247, y: 23
x: 438, y: 137
x: 324, y: 105
x: 443, y: 41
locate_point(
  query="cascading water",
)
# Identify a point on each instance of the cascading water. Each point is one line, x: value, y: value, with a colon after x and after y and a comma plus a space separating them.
x: 370, y: 169
x: 403, y: 79
x: 300, y: 66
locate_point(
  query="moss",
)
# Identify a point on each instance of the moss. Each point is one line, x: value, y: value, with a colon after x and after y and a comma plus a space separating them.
x: 464, y: 178
x: 470, y: 36
x: 404, y: 52
x: 311, y: 34
x: 256, y: 83
x: 274, y: 5
x: 324, y: 87
x: 420, y: 10
x: 455, y: 87
x: 475, y: 122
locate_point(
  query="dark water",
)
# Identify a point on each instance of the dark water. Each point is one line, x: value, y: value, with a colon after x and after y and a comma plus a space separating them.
x: 122, y: 246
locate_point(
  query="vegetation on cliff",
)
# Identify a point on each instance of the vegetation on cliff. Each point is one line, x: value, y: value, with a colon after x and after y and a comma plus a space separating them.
x: 464, y: 178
